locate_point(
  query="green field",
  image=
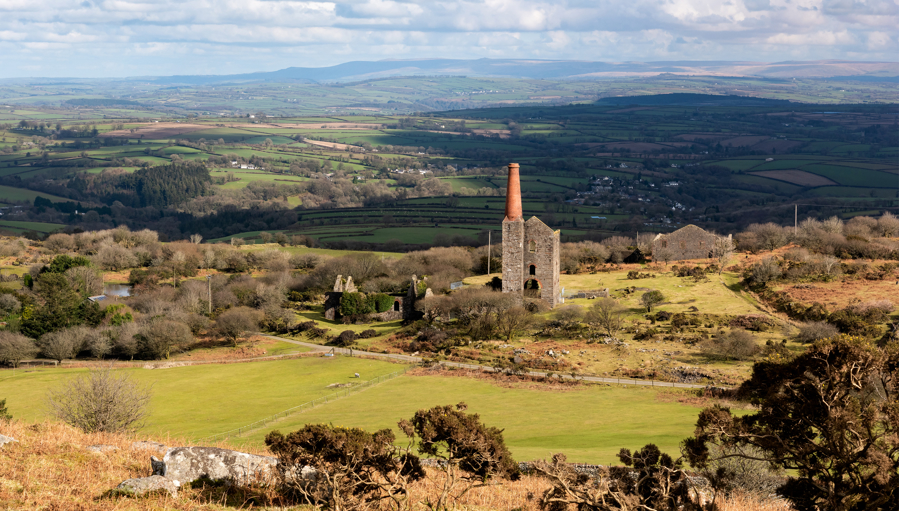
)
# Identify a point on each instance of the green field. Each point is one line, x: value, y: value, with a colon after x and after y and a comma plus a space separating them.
x: 42, y: 227
x: 589, y: 424
x: 203, y: 400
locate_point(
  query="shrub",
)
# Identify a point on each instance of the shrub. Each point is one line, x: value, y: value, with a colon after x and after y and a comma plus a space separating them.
x: 353, y: 468
x: 63, y: 344
x: 736, y: 344
x: 368, y: 334
x: 354, y: 304
x: 101, y: 402
x: 380, y: 302
x: 345, y: 339
x: 4, y: 413
x: 816, y: 330
x: 765, y: 271
x: 471, y: 452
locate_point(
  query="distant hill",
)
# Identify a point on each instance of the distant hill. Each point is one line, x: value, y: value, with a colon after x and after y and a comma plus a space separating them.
x: 689, y: 99
x: 551, y: 69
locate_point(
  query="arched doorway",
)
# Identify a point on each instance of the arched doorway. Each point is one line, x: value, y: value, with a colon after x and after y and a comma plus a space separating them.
x: 532, y: 288
x: 396, y: 306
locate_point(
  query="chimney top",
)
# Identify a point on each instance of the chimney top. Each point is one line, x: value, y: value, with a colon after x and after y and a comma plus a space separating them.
x: 513, y: 194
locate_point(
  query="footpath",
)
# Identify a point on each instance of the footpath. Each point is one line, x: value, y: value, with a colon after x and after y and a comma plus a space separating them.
x: 317, y: 348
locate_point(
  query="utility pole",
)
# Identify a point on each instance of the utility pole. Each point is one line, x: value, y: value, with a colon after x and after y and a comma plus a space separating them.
x: 209, y: 292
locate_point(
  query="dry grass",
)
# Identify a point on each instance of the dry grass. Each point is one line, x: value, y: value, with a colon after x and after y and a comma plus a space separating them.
x: 51, y: 469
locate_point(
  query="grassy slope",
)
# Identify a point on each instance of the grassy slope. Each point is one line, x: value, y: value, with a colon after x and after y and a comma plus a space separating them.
x: 198, y: 401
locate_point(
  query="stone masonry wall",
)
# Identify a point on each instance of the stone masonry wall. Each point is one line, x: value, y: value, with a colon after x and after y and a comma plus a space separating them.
x: 689, y: 242
x: 513, y: 256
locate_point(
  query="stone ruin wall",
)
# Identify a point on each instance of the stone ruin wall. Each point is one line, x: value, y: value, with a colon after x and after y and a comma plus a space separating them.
x: 690, y: 242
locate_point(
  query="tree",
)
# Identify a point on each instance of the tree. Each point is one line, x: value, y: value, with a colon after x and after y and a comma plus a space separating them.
x: 830, y: 416
x: 513, y: 321
x: 765, y: 271
x: 236, y: 323
x: 265, y: 236
x: 196, y: 238
x: 63, y: 344
x: 353, y: 468
x: 59, y: 306
x: 101, y: 401
x: 160, y: 337
x: 471, y: 453
x: 723, y: 251
x: 15, y: 348
x: 607, y: 314
x: 652, y: 298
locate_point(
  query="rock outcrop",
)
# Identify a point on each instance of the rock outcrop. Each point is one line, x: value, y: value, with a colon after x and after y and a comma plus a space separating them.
x: 146, y: 445
x: 146, y: 485
x: 101, y: 448
x: 6, y: 440
x: 189, y: 464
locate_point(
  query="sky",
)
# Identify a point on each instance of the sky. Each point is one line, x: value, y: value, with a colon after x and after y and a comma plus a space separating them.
x: 113, y: 38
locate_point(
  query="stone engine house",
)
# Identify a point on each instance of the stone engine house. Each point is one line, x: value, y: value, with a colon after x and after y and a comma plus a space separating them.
x: 688, y: 242
x: 530, y: 250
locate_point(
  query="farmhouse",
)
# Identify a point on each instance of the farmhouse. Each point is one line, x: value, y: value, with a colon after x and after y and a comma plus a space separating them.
x: 688, y: 242
x: 530, y: 250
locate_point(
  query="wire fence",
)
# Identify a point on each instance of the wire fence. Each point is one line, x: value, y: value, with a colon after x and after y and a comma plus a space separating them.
x: 305, y: 406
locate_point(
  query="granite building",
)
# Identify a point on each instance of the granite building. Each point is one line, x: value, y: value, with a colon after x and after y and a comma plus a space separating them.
x: 688, y: 242
x: 530, y: 250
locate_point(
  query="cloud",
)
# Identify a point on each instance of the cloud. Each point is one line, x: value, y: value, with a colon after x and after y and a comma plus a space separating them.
x: 138, y: 37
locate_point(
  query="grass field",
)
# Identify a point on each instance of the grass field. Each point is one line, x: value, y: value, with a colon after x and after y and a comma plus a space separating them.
x: 10, y: 194
x: 41, y: 227
x: 198, y: 401
x: 589, y: 424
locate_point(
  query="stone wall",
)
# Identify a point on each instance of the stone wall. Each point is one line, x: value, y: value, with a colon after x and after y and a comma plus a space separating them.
x: 688, y: 242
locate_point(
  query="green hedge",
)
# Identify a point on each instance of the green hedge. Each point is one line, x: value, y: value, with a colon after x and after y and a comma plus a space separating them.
x: 354, y: 304
x: 381, y: 302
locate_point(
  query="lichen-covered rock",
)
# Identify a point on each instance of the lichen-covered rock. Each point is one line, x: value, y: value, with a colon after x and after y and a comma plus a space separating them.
x: 145, y: 485
x: 146, y: 445
x: 101, y: 448
x: 188, y: 464
x: 6, y: 440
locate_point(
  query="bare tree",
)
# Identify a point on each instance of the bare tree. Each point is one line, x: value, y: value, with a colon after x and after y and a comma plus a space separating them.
x: 15, y: 348
x: 723, y: 251
x: 63, y: 344
x: 234, y: 324
x: 513, y: 321
x: 100, y: 401
x: 160, y: 337
x: 196, y: 238
x: 607, y: 314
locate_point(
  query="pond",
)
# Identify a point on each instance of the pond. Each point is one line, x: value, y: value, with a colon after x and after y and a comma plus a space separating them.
x: 117, y: 290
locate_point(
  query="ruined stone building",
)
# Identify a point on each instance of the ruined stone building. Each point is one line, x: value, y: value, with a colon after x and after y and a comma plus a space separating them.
x: 688, y: 242
x: 403, y: 306
x: 530, y: 250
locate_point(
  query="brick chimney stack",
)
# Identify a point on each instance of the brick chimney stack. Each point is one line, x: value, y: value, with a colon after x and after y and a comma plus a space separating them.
x: 513, y: 194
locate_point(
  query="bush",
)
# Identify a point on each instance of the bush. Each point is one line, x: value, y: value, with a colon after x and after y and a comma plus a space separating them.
x: 816, y: 330
x: 345, y: 339
x: 368, y: 334
x: 353, y: 468
x: 736, y: 344
x: 765, y: 271
x: 101, y: 402
x: 380, y: 302
x: 4, y: 413
x: 63, y: 344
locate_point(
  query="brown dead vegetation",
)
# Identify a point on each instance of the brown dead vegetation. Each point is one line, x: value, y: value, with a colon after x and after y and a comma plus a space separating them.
x: 50, y: 468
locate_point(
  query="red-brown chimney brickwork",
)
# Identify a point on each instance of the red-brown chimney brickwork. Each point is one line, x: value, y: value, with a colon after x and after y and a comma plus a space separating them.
x: 530, y: 250
x: 513, y: 194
